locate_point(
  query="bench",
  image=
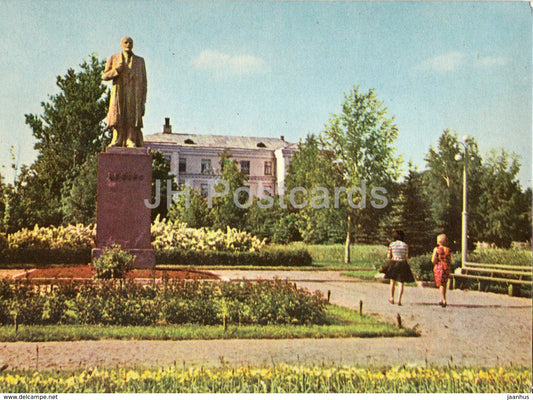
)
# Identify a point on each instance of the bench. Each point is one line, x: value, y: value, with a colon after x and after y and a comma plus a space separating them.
x: 513, y: 276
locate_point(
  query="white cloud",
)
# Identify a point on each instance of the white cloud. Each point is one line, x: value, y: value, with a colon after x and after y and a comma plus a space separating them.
x: 242, y: 64
x: 489, y: 62
x: 443, y: 63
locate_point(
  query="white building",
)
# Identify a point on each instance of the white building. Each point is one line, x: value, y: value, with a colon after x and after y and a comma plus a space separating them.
x: 194, y: 159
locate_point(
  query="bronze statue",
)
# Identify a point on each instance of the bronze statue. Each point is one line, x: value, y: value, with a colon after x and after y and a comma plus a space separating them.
x: 128, y: 96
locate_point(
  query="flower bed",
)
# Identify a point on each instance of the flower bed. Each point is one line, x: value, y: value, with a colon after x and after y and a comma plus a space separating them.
x: 87, y: 272
x: 273, y: 379
x: 171, y: 302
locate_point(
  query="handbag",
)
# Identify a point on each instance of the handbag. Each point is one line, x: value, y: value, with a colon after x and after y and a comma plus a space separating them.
x: 385, y: 268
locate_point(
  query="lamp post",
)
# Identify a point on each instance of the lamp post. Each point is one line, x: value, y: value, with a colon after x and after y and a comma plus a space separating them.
x: 464, y: 222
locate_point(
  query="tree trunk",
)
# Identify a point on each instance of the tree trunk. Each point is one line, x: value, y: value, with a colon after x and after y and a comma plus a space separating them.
x: 348, y: 241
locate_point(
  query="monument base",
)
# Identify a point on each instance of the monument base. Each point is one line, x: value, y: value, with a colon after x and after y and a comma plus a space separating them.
x: 144, y: 258
x: 122, y: 216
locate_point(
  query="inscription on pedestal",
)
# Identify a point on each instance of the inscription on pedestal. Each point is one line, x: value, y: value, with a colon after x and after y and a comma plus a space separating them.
x: 124, y: 182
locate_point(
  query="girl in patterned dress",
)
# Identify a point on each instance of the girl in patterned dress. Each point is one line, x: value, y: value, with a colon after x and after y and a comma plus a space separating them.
x: 442, y: 260
x: 398, y: 268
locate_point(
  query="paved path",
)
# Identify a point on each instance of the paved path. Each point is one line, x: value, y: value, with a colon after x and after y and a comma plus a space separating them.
x: 476, y: 329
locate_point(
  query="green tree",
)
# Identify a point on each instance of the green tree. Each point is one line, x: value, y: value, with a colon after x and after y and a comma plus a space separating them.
x: 192, y: 210
x: 69, y: 130
x: 267, y: 219
x: 79, y: 201
x: 161, y: 176
x: 361, y: 139
x: 32, y: 201
x: 415, y: 214
x: 506, y: 208
x: 226, y: 209
x: 443, y: 183
x: 310, y: 193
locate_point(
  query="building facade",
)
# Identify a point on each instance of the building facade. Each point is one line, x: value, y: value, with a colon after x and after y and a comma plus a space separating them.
x: 195, y: 159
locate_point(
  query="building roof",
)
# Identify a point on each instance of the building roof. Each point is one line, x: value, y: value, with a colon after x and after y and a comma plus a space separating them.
x: 233, y: 142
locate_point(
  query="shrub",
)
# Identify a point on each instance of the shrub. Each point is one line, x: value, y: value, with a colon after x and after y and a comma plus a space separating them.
x: 501, y: 256
x: 174, y: 302
x: 422, y: 266
x: 72, y: 244
x: 267, y: 256
x: 4, y: 244
x: 114, y: 263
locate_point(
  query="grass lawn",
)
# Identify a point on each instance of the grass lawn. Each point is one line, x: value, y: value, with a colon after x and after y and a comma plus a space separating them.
x: 342, y: 322
x: 365, y: 260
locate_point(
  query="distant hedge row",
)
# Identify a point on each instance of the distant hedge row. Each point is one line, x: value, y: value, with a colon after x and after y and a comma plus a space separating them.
x: 270, y: 257
x: 264, y: 257
x: 45, y: 256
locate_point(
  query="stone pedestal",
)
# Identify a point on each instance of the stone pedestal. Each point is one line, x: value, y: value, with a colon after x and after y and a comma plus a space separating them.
x: 124, y: 183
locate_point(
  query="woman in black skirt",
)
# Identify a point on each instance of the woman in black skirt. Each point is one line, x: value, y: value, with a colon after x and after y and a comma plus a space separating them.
x: 398, y: 267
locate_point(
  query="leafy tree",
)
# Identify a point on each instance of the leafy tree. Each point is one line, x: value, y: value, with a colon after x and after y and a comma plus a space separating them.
x: 32, y: 201
x: 360, y: 139
x: 68, y: 132
x: 225, y: 210
x: 194, y: 211
x: 71, y: 126
x: 506, y: 209
x: 267, y: 219
x: 310, y: 193
x: 79, y: 201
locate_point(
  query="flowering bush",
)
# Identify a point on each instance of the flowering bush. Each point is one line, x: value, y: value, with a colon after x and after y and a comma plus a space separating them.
x: 62, y: 237
x: 168, y: 235
x: 165, y: 235
x: 173, y: 242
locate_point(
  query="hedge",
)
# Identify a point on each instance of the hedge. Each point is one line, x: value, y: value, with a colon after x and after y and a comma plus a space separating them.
x: 265, y: 257
x: 423, y: 268
x: 45, y: 256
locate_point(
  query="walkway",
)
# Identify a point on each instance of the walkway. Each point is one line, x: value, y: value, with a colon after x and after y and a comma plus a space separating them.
x: 476, y: 329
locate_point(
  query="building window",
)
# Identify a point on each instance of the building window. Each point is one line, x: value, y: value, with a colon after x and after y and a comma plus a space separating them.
x: 268, y: 167
x: 206, y: 167
x: 245, y: 167
x: 204, y: 189
x: 168, y: 157
x: 267, y: 191
x: 183, y: 165
x: 261, y: 144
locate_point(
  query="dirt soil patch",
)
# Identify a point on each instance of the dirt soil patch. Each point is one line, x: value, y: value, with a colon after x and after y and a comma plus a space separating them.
x: 87, y: 272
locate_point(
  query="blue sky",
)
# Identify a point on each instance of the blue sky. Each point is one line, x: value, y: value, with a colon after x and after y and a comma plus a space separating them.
x: 281, y: 68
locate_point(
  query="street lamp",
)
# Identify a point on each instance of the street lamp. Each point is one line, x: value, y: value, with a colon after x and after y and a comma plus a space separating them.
x: 464, y: 225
